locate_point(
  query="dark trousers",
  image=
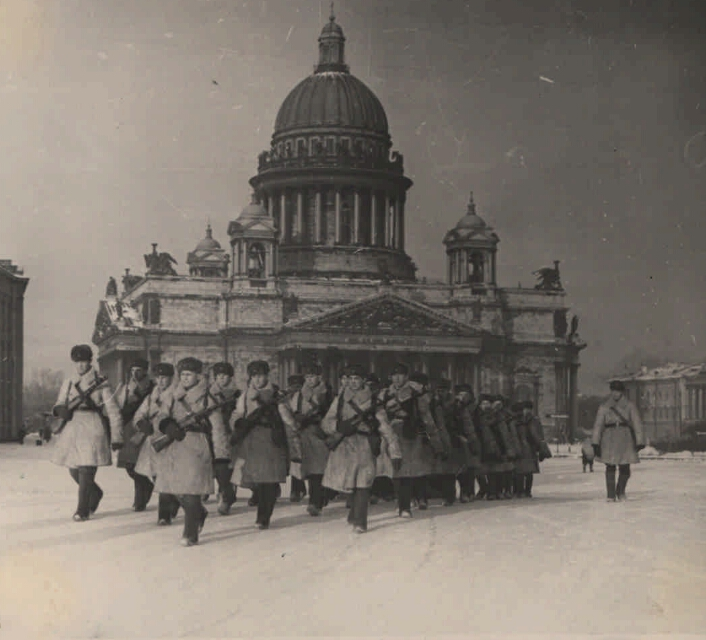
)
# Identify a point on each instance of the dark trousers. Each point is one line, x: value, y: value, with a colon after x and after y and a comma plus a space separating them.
x: 493, y: 487
x: 89, y: 493
x: 467, y: 482
x: 143, y: 487
x: 529, y: 481
x: 223, y: 478
x: 316, y: 491
x: 623, y: 477
x: 383, y: 487
x: 448, y: 488
x: 298, y: 488
x: 194, y: 515
x: 358, y: 514
x: 404, y: 494
x: 420, y: 487
x: 168, y: 507
x: 267, y: 497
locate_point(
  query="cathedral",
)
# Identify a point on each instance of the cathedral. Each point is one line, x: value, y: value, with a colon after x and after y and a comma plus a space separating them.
x: 317, y: 270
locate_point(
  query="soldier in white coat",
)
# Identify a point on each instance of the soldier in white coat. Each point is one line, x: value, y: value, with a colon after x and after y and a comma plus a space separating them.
x: 355, y: 424
x: 146, y: 421
x: 83, y: 439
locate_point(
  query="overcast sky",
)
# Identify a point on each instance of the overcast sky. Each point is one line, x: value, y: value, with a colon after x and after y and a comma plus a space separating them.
x: 579, y: 125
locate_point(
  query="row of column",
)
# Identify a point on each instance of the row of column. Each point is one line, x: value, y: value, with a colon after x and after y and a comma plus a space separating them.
x: 462, y: 267
x: 391, y: 208
x: 244, y: 252
x: 696, y: 403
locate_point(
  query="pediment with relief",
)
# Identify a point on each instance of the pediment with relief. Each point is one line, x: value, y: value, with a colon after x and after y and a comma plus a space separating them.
x: 385, y: 314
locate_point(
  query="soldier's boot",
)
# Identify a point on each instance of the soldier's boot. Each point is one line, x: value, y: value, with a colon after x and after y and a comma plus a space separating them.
x: 610, y: 482
x: 420, y: 489
x: 482, y: 487
x: 254, y: 498
x: 298, y: 490
x: 623, y: 477
x: 529, y: 481
x: 519, y: 485
x: 361, y: 497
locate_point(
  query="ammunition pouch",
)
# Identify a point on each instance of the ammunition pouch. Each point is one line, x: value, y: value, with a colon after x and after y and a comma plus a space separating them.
x: 145, y: 426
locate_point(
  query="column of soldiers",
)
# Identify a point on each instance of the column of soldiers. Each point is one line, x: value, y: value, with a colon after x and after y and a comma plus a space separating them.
x: 180, y: 435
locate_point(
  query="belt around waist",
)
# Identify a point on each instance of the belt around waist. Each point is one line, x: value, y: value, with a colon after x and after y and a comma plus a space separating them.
x: 618, y: 424
x: 85, y: 410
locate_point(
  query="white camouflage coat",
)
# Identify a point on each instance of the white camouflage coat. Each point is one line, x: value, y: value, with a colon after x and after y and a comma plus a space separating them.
x: 150, y: 409
x: 186, y: 467
x: 84, y: 440
x: 352, y: 464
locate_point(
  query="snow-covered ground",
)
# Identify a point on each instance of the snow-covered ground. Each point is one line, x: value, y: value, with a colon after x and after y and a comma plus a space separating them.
x: 563, y: 563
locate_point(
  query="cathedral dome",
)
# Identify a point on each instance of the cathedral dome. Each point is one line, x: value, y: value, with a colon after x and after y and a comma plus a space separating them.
x: 208, y: 243
x: 336, y: 99
x: 331, y: 97
x: 253, y: 210
x: 471, y: 220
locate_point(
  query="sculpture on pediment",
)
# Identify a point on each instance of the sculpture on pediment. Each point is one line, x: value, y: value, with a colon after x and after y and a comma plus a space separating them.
x: 159, y: 264
x: 111, y: 289
x: 548, y: 278
x: 130, y: 281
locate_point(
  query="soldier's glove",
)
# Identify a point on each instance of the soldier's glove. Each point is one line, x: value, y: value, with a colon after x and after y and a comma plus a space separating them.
x: 170, y: 428
x: 62, y: 412
x: 596, y: 450
x: 116, y: 446
x: 332, y: 442
x: 145, y: 426
x: 396, y: 464
x: 640, y: 447
x: 346, y: 427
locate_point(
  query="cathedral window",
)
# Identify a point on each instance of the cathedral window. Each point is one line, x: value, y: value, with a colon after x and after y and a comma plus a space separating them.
x: 256, y: 261
x: 152, y: 311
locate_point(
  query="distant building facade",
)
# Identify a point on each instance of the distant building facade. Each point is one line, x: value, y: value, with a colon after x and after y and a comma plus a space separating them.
x: 317, y: 270
x: 12, y: 290
x: 671, y: 398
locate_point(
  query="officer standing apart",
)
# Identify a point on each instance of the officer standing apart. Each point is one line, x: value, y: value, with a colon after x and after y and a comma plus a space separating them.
x: 617, y: 437
x: 185, y: 465
x: 83, y: 440
x: 130, y: 396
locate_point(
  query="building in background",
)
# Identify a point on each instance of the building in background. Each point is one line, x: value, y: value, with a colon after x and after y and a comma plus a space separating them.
x: 670, y: 398
x: 317, y: 270
x: 12, y: 291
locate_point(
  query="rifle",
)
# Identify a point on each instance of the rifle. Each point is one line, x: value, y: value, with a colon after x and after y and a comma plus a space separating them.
x: 363, y: 416
x: 245, y: 424
x: 84, y: 397
x: 193, y: 421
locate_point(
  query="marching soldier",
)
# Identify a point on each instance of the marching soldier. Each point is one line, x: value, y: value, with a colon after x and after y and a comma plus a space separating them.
x: 303, y: 412
x: 225, y: 395
x: 494, y: 446
x: 83, y: 444
x: 130, y: 396
x: 539, y: 444
x: 297, y: 489
x: 442, y: 405
x: 618, y: 436
x: 260, y: 433
x: 184, y: 461
x: 355, y: 426
x: 512, y: 447
x: 465, y: 441
x: 147, y: 420
x: 407, y: 410
x: 383, y: 485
